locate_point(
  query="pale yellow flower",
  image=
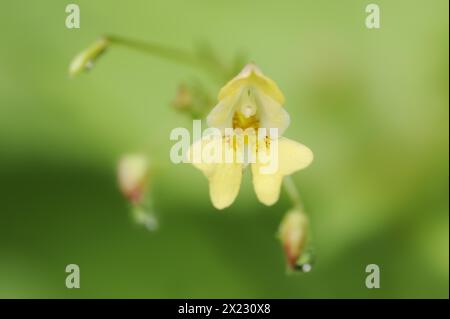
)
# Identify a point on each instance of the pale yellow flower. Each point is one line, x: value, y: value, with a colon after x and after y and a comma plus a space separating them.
x: 249, y: 101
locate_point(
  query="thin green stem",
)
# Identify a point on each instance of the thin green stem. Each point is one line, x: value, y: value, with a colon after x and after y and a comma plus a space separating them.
x: 156, y: 50
x: 293, y: 193
x: 170, y: 53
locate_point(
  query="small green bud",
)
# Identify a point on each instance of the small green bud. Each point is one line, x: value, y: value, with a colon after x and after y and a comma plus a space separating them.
x: 85, y: 60
x: 183, y: 98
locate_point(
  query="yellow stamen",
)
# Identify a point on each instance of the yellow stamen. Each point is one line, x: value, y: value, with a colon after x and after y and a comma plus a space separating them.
x: 243, y: 122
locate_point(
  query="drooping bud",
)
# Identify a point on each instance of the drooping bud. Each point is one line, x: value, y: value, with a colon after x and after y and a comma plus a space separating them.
x: 293, y: 233
x: 85, y: 60
x: 193, y: 99
x: 132, y: 176
x: 183, y: 98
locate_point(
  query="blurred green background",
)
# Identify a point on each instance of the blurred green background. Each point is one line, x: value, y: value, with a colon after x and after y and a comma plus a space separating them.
x: 371, y: 104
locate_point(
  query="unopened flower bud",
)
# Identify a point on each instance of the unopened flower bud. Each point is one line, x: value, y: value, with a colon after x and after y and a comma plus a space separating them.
x: 293, y: 233
x: 193, y: 99
x: 85, y: 59
x: 132, y: 176
x: 183, y: 98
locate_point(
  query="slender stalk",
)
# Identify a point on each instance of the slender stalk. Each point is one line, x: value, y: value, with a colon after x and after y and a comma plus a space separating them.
x: 293, y: 193
x: 173, y: 54
x: 156, y: 50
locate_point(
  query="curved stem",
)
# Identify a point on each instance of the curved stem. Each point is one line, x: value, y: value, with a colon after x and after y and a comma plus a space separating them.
x: 156, y: 50
x: 292, y: 191
x: 169, y: 53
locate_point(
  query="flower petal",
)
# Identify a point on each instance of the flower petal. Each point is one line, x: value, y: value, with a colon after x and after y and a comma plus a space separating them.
x: 251, y: 75
x: 224, y: 178
x: 224, y: 184
x: 273, y: 115
x: 267, y: 186
x: 221, y: 116
x: 292, y: 156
